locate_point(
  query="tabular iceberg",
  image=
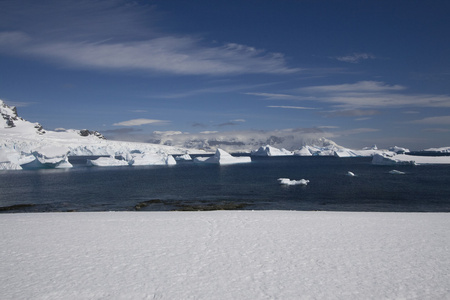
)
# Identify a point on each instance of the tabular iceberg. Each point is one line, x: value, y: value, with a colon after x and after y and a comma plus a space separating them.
x: 223, y: 158
x: 404, y: 159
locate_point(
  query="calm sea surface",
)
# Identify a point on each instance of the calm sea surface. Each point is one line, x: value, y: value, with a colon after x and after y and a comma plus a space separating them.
x: 189, y: 186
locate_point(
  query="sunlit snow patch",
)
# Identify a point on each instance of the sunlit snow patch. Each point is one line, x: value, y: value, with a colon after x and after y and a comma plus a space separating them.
x: 287, y: 181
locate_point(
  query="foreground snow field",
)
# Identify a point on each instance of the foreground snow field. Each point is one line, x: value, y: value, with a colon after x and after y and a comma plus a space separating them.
x: 225, y: 255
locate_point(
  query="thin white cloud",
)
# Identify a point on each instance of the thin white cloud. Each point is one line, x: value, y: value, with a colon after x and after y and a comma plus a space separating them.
x: 370, y: 94
x: 436, y: 130
x: 90, y: 38
x: 360, y: 86
x: 290, y: 107
x: 441, y: 120
x: 139, y: 122
x: 355, y: 57
x: 271, y: 96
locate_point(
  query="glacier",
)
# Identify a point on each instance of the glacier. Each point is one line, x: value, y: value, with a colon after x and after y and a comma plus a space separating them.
x: 26, y: 145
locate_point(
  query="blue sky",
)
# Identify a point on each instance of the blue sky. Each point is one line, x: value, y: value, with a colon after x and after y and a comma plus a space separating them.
x: 357, y: 72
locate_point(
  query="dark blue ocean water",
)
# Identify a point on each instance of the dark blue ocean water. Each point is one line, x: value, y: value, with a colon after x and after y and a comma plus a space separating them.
x: 189, y: 186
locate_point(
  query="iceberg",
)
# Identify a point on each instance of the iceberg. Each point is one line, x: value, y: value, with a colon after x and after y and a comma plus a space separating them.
x: 271, y: 151
x: 52, y: 157
x: 404, y: 159
x: 399, y: 150
x: 107, y: 162
x: 223, y: 158
x: 183, y: 157
x: 303, y: 151
x: 350, y: 174
x: 287, y: 181
x: 152, y: 159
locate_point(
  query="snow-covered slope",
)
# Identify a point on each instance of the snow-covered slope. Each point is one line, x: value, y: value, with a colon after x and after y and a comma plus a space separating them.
x: 23, y: 143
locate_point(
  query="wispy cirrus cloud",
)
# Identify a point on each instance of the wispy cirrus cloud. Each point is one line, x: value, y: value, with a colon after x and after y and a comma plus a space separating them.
x: 139, y: 122
x: 440, y: 120
x: 290, y: 107
x: 93, y: 39
x: 355, y: 58
x: 363, y: 98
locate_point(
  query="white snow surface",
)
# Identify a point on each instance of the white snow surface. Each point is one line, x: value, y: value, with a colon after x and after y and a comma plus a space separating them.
x: 222, y: 157
x: 403, y: 159
x: 225, y: 255
x: 287, y: 181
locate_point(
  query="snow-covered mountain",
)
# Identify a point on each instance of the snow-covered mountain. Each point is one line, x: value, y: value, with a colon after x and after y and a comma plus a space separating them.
x: 25, y: 143
x: 243, y: 141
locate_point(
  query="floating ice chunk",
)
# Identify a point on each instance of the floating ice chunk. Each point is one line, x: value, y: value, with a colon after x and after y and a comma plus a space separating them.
x: 106, y: 162
x: 287, y: 181
x: 52, y: 157
x: 223, y: 158
x: 350, y: 173
x: 403, y: 159
x: 152, y: 159
x: 183, y: 157
x: 396, y: 172
x: 399, y: 150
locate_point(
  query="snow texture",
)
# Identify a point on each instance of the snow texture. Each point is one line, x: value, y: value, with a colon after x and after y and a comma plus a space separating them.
x: 225, y: 255
x: 223, y: 158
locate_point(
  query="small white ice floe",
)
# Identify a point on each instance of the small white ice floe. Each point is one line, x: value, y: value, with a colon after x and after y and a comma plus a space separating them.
x: 396, y: 172
x: 287, y: 181
x: 350, y: 173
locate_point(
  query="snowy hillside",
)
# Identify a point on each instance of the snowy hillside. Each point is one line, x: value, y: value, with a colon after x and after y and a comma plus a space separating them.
x: 23, y: 142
